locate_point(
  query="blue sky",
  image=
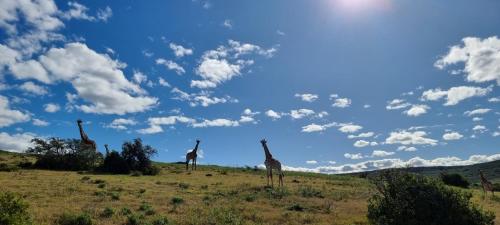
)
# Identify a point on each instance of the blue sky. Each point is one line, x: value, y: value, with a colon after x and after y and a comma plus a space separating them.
x: 335, y: 85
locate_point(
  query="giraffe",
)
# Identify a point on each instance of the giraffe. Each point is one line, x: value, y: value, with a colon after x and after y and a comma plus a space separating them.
x: 192, y: 155
x: 85, y: 139
x: 107, y: 149
x: 271, y: 164
x: 487, y: 185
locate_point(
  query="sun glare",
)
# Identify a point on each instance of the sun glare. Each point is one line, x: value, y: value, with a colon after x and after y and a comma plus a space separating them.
x: 356, y: 6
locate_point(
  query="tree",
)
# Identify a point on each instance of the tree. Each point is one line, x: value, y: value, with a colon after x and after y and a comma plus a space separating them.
x: 454, y: 179
x: 115, y: 163
x: 64, y: 154
x: 138, y: 156
x: 409, y: 199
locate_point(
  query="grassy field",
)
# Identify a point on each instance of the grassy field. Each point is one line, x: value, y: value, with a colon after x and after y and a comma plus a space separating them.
x: 210, y: 195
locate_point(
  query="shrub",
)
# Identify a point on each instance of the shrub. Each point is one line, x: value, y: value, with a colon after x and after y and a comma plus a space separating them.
x: 13, y: 210
x: 296, y: 207
x: 496, y: 187
x: 409, y: 199
x: 115, y: 196
x: 183, y: 185
x: 103, y: 185
x: 309, y: 192
x: 114, y: 163
x: 125, y: 211
x: 25, y: 164
x: 138, y: 156
x: 133, y: 219
x: 147, y: 208
x: 4, y: 167
x: 108, y: 212
x: 160, y: 221
x: 74, y: 219
x: 64, y: 154
x: 151, y: 170
x: 454, y: 179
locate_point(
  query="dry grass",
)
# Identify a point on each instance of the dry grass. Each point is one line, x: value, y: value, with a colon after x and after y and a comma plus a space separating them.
x: 228, y: 196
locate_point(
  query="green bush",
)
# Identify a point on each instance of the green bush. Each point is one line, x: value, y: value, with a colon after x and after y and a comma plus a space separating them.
x: 4, y: 167
x: 160, y: 221
x: 454, y: 179
x: 133, y: 219
x: 13, y: 210
x: 309, y: 192
x: 404, y: 198
x: 108, y: 212
x: 74, y: 219
x: 496, y: 187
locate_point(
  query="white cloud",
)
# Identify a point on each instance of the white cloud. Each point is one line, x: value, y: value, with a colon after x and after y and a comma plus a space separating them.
x: 33, y: 88
x: 397, y: 163
x: 51, y: 107
x: 273, y: 114
x: 171, y: 65
x: 312, y: 162
x: 88, y: 71
x: 479, y: 128
x: 494, y: 99
x: 179, y: 50
x: 222, y: 64
x: 361, y: 143
x: 361, y: 135
x: 40, y: 14
x: 155, y: 123
x: 121, y: 123
x: 397, y: 104
x: 452, y: 136
x: 481, y: 58
x: 477, y: 119
x: 455, y: 94
x: 216, y: 123
x: 407, y: 149
x: 9, y: 116
x: 381, y: 153
x: 248, y: 116
x: 163, y: 82
x: 366, y: 106
x: 353, y: 156
x: 301, y: 113
x: 350, y: 128
x: 315, y: 128
x: 40, y: 123
x: 104, y: 14
x: 410, y: 138
x: 342, y: 103
x: 16, y: 142
x: 477, y: 112
x: 139, y: 77
x: 227, y: 23
x: 79, y: 11
x: 203, y: 98
x: 417, y: 110
x: 307, y: 97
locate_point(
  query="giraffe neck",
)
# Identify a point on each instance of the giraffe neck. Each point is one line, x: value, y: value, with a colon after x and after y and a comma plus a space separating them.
x: 196, y: 147
x: 82, y: 133
x: 266, y: 150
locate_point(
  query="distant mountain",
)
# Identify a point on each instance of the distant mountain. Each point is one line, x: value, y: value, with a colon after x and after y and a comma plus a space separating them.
x: 471, y: 172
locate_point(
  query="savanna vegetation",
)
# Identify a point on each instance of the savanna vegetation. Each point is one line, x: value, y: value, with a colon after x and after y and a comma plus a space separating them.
x: 220, y: 195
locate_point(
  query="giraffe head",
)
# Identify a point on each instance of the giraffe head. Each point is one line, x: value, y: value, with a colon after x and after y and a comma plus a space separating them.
x: 263, y: 141
x: 198, y: 141
x: 79, y: 121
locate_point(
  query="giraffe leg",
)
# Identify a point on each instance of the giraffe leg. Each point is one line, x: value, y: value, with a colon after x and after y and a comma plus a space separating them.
x: 195, y: 164
x: 187, y: 165
x: 192, y: 165
x: 267, y: 175
x: 272, y: 182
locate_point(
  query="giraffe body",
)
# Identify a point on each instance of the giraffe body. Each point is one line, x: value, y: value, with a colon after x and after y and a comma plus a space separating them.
x: 192, y: 156
x: 272, y: 164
